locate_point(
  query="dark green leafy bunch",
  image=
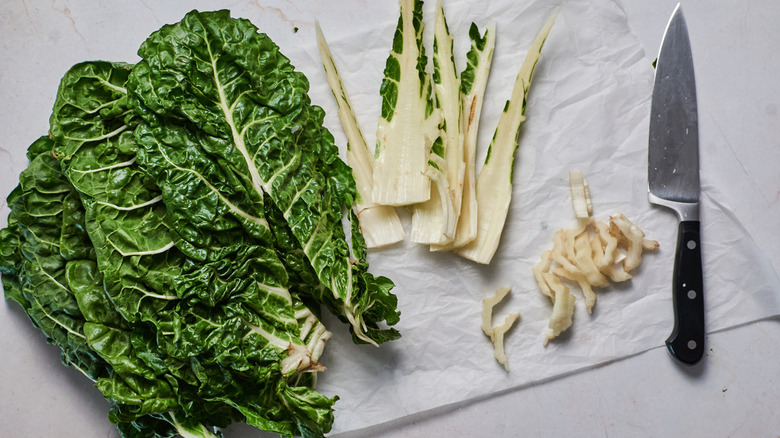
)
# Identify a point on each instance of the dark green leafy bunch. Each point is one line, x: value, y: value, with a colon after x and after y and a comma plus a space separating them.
x: 177, y: 232
x: 228, y: 310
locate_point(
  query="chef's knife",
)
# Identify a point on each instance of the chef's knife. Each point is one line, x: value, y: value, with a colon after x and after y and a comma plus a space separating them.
x: 673, y: 176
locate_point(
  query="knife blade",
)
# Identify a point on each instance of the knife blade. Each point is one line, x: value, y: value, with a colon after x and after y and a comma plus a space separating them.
x: 673, y: 182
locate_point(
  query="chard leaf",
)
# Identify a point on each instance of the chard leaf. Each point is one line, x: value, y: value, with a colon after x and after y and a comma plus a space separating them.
x: 147, y: 267
x: 34, y: 269
x: 226, y: 120
x: 124, y: 218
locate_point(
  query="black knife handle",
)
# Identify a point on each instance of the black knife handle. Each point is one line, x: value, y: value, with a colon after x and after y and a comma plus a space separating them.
x: 686, y: 343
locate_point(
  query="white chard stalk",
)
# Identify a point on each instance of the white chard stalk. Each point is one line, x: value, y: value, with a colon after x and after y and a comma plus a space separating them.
x: 379, y: 223
x: 580, y: 195
x: 494, y: 185
x: 473, y: 82
x: 408, y: 124
x: 434, y: 221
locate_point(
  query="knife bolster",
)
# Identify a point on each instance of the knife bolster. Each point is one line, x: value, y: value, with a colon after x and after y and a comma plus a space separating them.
x: 686, y: 211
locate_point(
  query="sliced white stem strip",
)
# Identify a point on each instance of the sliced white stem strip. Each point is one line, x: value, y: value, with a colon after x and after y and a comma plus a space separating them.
x: 580, y: 195
x: 496, y: 333
x: 402, y: 138
x: 563, y: 307
x: 473, y: 85
x: 498, y: 339
x: 494, y: 185
x: 434, y: 221
x: 380, y: 224
x: 487, y: 309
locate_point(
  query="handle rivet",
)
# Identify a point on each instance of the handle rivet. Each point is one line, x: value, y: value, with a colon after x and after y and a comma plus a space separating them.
x: 691, y: 344
x: 691, y: 244
x: 691, y: 294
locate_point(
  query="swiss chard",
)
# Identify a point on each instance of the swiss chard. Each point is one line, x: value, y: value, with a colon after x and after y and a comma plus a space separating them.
x: 178, y: 231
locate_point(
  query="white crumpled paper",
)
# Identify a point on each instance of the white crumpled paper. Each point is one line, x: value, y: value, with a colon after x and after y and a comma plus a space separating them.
x: 588, y: 110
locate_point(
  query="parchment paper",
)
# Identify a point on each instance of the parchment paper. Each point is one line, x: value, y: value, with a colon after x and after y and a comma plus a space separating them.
x: 588, y: 110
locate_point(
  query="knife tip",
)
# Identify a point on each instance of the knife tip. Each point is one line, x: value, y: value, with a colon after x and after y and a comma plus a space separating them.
x: 678, y: 10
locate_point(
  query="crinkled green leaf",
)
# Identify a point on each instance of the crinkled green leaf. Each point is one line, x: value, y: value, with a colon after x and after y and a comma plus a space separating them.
x: 33, y: 267
x: 226, y: 119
